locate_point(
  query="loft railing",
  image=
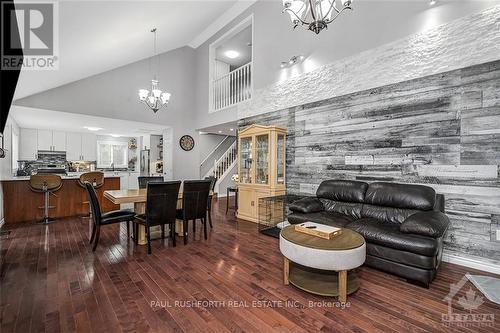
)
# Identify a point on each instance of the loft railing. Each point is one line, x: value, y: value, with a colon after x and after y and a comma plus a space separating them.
x: 232, y: 88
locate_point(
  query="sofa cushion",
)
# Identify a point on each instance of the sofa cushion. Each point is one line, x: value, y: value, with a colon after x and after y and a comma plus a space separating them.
x: 401, y: 195
x: 307, y: 205
x: 388, y: 234
x: 332, y: 219
x: 352, y: 209
x: 342, y: 190
x: 403, y: 257
x: 433, y: 224
x: 387, y: 214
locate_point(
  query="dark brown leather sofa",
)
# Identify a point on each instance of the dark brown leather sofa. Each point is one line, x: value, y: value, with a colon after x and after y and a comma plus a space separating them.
x: 403, y: 224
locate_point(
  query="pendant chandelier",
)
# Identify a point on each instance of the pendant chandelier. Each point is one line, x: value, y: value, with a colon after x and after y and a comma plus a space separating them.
x: 155, y: 99
x: 315, y: 15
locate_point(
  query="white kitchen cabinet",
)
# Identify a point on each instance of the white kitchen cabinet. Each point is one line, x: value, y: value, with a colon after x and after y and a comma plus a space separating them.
x: 58, y: 140
x: 44, y: 138
x: 133, y: 180
x: 28, y: 145
x: 89, y: 147
x: 73, y: 146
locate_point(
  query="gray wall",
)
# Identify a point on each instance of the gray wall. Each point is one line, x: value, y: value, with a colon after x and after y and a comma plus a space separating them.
x: 442, y: 130
x: 113, y: 94
x: 370, y: 24
x: 6, y: 163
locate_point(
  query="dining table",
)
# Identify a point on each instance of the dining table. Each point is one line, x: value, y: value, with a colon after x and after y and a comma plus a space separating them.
x: 138, y: 197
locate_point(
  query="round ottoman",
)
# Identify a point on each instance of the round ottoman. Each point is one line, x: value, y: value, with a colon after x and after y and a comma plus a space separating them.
x: 311, y: 263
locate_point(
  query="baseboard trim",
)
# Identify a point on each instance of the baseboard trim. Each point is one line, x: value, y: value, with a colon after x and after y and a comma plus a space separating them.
x: 472, y: 263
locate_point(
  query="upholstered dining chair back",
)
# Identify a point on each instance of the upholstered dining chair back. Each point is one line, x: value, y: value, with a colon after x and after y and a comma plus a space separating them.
x: 96, y: 178
x: 161, y: 202
x: 45, y: 182
x: 94, y: 203
x: 145, y: 180
x: 195, y: 198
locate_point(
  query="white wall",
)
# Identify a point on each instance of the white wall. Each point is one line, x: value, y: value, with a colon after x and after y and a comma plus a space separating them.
x: 370, y: 25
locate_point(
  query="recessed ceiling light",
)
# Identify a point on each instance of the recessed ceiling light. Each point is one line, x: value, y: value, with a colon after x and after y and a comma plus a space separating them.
x: 231, y: 129
x: 432, y: 2
x: 220, y: 131
x: 93, y: 129
x: 115, y: 135
x: 231, y: 54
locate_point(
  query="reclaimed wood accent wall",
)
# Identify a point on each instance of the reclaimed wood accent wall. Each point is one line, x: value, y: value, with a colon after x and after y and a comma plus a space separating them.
x: 441, y: 130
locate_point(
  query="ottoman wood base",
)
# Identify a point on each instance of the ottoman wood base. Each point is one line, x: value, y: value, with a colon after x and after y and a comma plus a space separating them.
x: 321, y: 282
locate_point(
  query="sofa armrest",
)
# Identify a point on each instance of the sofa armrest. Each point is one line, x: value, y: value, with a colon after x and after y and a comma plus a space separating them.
x: 307, y: 205
x: 431, y: 223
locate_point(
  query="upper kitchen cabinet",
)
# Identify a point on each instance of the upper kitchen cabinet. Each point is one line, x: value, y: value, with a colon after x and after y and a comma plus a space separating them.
x: 81, y: 147
x: 89, y: 147
x: 28, y: 145
x: 51, y: 140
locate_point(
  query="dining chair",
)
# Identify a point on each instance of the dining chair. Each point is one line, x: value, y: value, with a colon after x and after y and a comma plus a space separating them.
x: 144, y: 180
x: 209, y: 208
x: 96, y: 178
x: 161, y: 209
x: 194, y: 204
x: 100, y: 219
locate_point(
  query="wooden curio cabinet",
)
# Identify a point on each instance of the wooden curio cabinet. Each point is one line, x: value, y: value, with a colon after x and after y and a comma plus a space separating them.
x: 261, y: 167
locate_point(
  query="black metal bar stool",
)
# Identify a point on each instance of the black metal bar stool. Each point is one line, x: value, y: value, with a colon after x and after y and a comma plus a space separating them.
x: 46, y: 184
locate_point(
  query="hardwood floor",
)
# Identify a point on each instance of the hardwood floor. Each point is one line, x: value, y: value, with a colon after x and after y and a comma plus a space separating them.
x: 51, y: 281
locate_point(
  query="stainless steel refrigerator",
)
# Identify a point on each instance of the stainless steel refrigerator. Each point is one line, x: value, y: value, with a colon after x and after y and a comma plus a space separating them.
x: 145, y: 162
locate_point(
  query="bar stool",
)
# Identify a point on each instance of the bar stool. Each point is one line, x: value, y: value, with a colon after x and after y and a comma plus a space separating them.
x: 95, y: 178
x: 46, y: 184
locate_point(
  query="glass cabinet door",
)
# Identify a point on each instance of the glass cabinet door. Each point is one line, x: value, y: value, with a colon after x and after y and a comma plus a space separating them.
x: 280, y: 158
x: 245, y: 176
x: 262, y: 159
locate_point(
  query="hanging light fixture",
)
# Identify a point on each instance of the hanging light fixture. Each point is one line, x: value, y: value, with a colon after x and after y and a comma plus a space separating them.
x: 155, y: 99
x: 315, y: 14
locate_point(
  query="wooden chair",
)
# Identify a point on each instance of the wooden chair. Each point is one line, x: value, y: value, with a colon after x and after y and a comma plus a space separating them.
x: 144, y: 180
x: 161, y: 209
x: 46, y: 184
x: 194, y: 204
x: 100, y: 219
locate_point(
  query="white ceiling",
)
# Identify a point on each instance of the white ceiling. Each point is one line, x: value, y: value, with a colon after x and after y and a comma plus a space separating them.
x: 238, y: 43
x: 96, y: 36
x: 73, y: 122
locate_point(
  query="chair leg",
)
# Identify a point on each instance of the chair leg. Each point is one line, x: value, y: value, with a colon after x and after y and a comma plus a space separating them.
x: 136, y: 233
x: 96, y: 240
x: 162, y: 231
x: 128, y: 230
x: 210, y: 217
x: 204, y: 220
x: 194, y: 227
x: 149, y: 239
x: 93, y: 234
x: 185, y: 226
x: 172, y: 233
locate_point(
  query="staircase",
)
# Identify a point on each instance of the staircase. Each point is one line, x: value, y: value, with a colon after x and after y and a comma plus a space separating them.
x: 223, y: 165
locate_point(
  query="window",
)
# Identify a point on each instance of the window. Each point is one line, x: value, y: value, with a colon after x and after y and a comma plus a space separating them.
x: 111, y: 153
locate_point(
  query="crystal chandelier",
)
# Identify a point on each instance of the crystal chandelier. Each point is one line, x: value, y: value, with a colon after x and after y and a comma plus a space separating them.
x: 155, y: 99
x: 315, y: 14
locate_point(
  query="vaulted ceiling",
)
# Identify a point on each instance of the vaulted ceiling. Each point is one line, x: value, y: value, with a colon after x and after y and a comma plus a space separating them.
x: 96, y: 36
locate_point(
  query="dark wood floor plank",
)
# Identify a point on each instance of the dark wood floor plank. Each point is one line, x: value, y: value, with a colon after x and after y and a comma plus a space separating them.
x: 51, y: 281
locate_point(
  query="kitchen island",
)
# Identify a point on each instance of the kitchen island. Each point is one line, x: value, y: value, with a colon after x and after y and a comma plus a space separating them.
x: 22, y: 205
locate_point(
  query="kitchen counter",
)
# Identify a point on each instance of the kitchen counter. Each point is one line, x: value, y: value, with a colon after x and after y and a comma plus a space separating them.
x: 21, y: 203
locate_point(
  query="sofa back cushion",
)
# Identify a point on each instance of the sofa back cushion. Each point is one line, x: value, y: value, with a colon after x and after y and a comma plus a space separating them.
x: 352, y: 209
x: 387, y: 214
x: 406, y: 196
x: 342, y: 190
